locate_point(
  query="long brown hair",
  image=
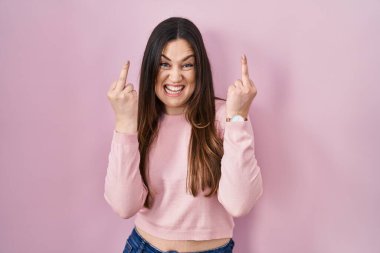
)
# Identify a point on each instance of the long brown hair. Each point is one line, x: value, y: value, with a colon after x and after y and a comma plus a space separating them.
x: 205, y: 148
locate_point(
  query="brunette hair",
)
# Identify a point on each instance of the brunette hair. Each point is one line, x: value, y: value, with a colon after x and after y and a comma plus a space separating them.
x: 205, y: 147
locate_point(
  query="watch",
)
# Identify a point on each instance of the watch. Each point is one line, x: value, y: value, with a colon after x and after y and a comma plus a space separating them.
x: 236, y: 118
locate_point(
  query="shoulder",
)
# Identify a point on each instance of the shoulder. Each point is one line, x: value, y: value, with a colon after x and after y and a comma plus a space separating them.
x: 219, y: 104
x: 220, y: 115
x: 220, y: 109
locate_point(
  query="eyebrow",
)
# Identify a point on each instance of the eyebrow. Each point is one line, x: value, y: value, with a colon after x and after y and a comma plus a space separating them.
x: 184, y: 59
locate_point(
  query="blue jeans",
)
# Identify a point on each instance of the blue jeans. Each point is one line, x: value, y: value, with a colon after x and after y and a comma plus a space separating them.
x: 137, y: 244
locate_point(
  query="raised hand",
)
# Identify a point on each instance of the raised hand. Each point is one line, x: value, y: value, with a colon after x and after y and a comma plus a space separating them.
x: 241, y: 93
x: 124, y: 102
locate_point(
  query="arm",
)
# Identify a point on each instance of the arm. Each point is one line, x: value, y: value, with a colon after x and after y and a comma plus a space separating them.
x: 124, y: 189
x: 240, y: 185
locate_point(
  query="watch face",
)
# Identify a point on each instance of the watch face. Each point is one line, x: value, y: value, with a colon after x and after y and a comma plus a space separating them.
x: 237, y: 118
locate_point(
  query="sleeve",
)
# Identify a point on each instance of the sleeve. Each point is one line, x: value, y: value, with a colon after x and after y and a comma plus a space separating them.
x: 240, y: 185
x: 124, y: 189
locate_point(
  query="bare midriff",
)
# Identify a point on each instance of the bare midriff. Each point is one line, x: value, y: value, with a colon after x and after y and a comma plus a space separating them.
x: 182, y: 245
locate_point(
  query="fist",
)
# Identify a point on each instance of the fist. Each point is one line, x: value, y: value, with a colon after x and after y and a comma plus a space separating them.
x: 124, y: 102
x: 241, y: 94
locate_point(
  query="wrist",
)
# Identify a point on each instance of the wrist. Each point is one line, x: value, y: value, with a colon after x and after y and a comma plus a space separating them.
x: 125, y: 127
x: 233, y: 116
x: 230, y: 114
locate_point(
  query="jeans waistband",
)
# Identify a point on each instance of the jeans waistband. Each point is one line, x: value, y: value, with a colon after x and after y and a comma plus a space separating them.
x: 138, y: 241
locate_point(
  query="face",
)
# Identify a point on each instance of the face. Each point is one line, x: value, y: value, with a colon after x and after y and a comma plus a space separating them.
x: 175, y: 81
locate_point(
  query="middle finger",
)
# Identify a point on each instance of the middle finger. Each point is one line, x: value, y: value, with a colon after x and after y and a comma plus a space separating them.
x: 123, y: 77
x: 244, y: 70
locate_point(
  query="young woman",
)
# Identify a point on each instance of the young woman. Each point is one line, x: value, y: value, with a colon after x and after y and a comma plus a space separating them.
x: 181, y: 160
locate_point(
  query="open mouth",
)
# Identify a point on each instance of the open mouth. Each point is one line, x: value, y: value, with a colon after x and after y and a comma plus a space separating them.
x: 174, y: 89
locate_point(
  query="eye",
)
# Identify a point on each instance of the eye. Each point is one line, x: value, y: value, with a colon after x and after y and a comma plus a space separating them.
x: 188, y: 65
x: 164, y: 65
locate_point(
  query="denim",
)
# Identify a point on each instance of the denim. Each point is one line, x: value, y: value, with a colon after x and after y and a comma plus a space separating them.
x: 137, y: 244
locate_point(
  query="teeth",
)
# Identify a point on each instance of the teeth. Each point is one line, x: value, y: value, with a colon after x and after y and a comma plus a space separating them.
x: 174, y: 89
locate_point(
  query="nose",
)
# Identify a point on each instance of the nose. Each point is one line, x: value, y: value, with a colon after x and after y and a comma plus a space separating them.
x: 175, y: 75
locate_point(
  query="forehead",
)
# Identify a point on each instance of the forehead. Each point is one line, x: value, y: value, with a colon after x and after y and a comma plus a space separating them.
x: 177, y: 48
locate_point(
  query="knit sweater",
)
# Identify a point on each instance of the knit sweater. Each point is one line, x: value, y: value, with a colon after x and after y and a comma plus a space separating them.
x: 176, y: 214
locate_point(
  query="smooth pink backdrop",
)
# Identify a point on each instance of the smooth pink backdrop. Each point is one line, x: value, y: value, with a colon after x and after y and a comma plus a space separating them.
x: 316, y: 117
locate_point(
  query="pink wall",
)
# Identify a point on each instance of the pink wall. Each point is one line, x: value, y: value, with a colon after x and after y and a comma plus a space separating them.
x: 316, y: 116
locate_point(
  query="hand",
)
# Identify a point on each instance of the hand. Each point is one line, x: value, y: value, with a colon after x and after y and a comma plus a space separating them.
x: 241, y: 93
x: 124, y: 101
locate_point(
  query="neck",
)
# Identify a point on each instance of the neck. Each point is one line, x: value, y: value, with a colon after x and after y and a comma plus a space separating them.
x: 174, y: 111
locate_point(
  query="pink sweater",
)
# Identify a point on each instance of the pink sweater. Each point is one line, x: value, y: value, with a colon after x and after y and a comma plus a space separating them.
x: 177, y: 215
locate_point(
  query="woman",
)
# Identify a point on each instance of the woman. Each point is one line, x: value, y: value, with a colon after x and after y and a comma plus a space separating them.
x: 181, y: 160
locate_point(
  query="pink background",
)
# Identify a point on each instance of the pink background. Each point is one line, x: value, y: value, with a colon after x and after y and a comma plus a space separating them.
x: 316, y: 117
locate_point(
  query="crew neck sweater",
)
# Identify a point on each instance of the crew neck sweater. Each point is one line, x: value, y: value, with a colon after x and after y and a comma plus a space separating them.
x: 176, y: 214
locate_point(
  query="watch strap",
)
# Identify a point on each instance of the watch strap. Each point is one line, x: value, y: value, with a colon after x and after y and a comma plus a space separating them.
x: 239, y: 116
